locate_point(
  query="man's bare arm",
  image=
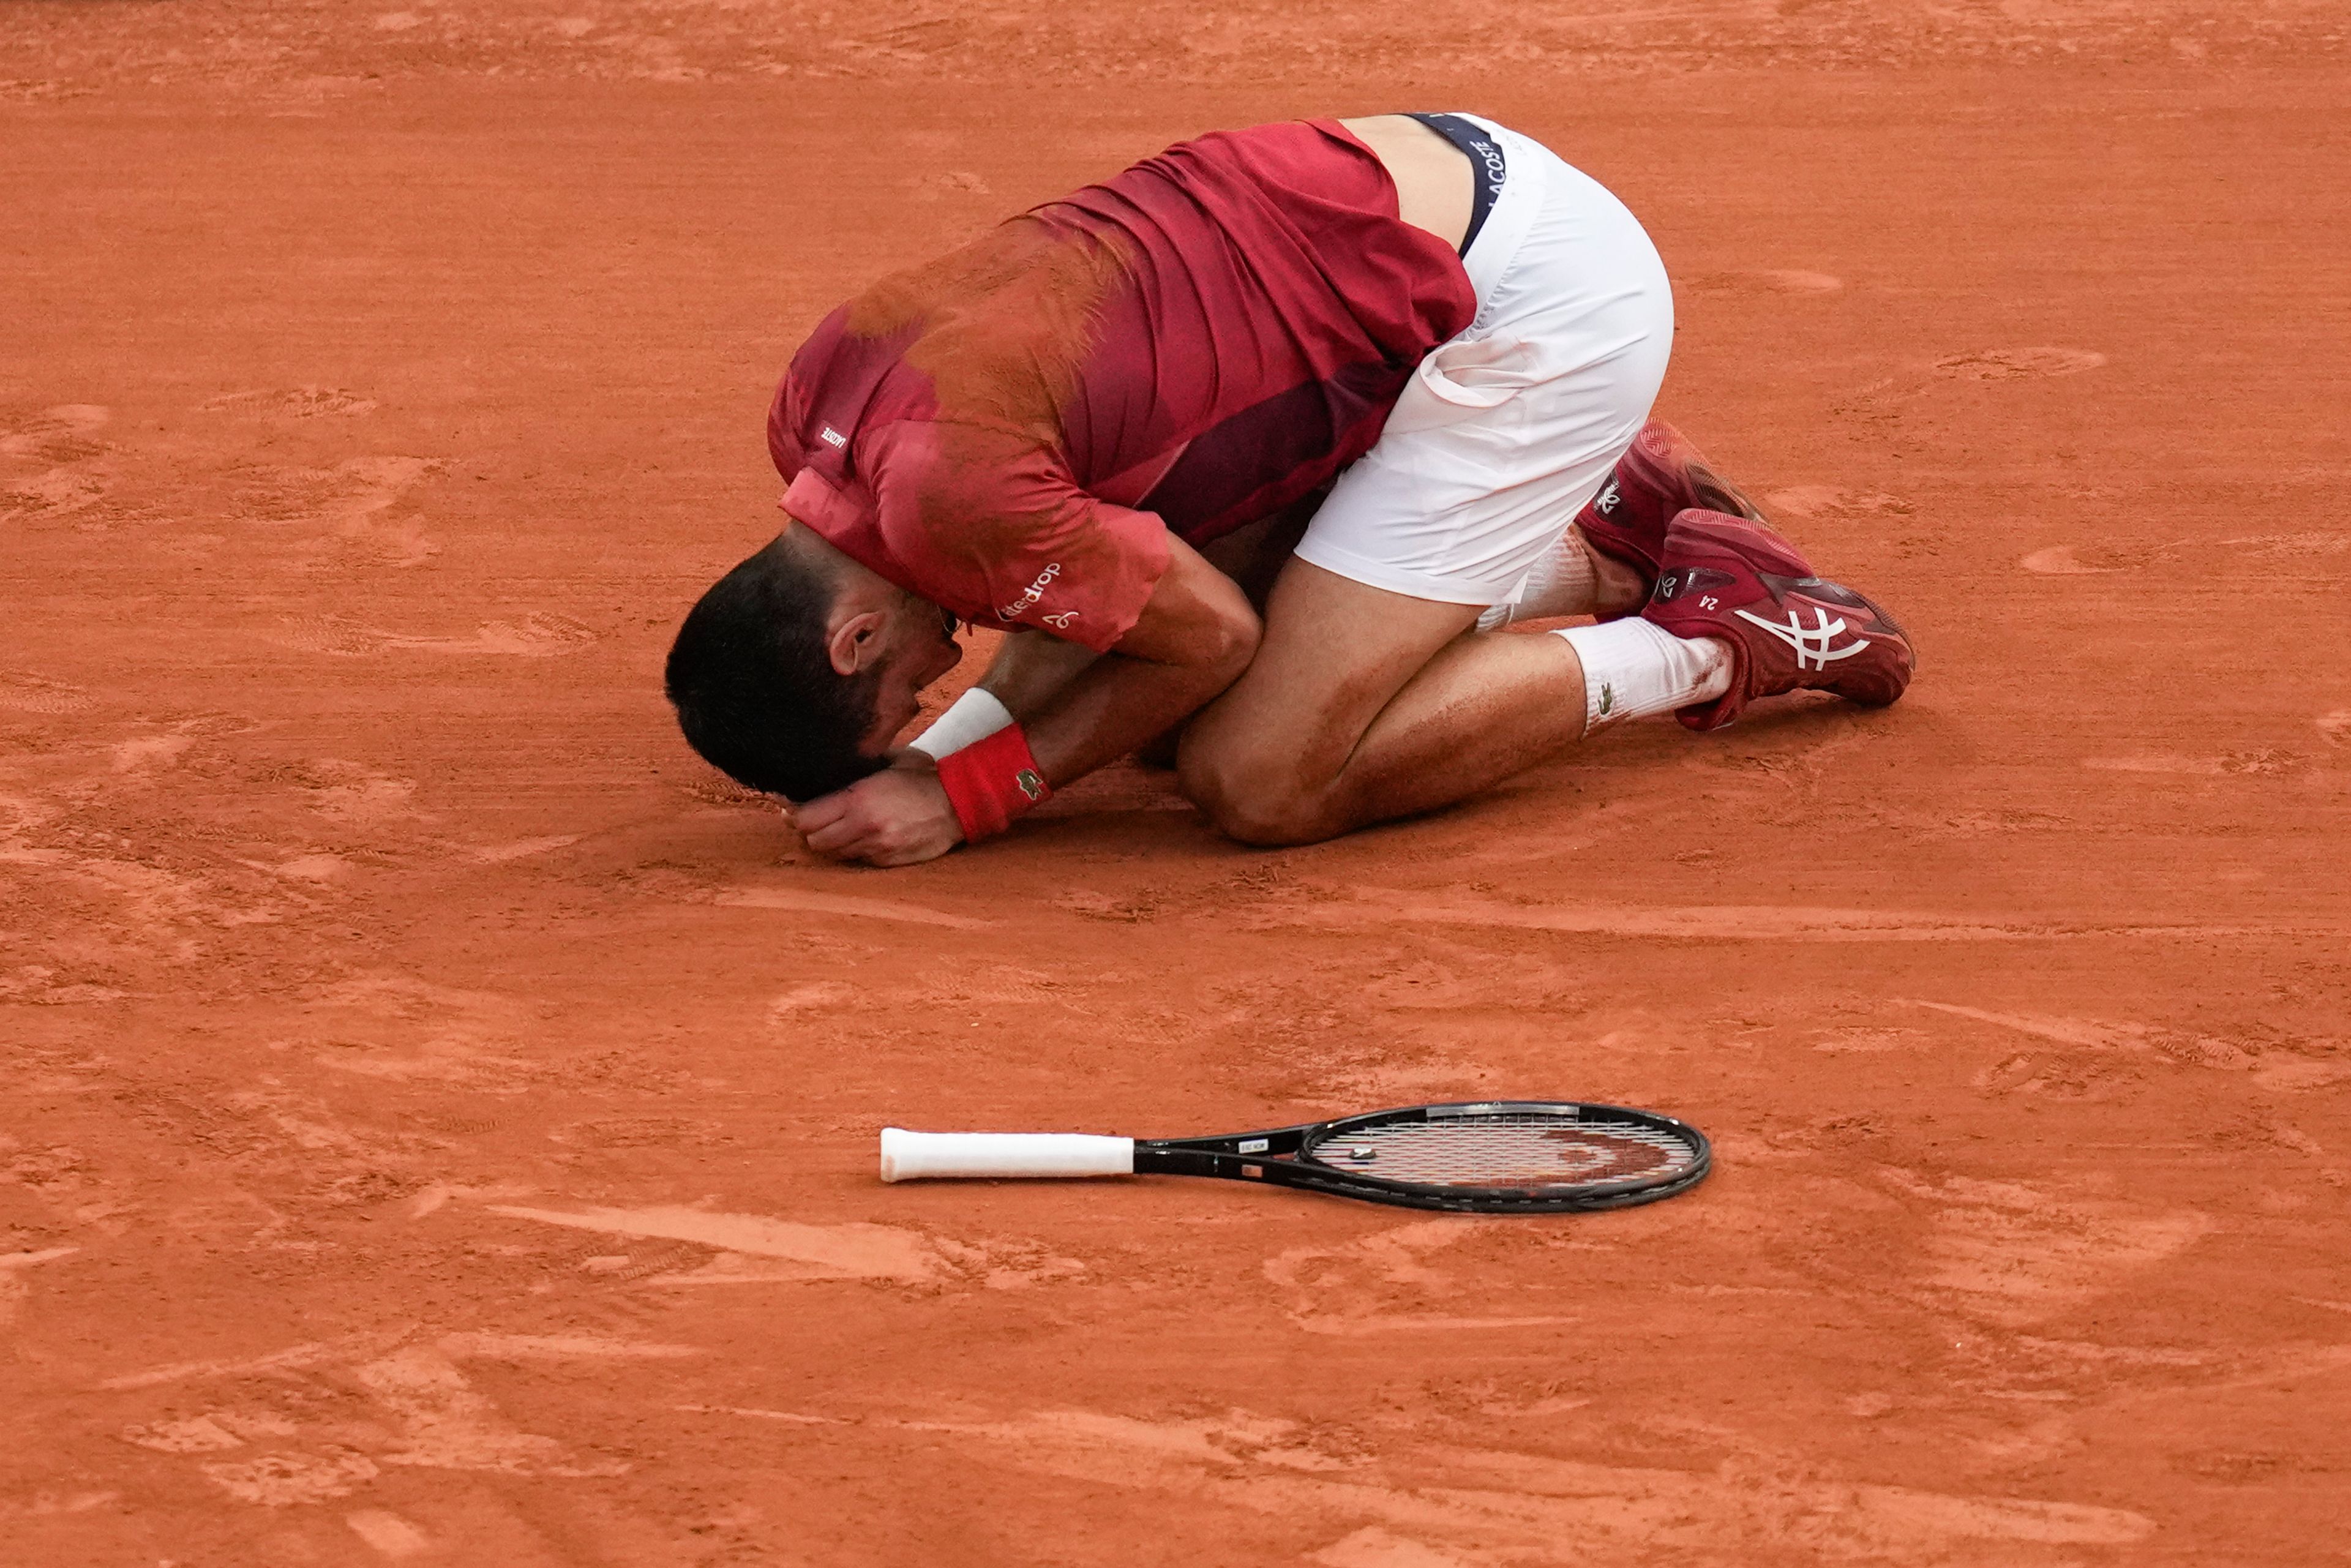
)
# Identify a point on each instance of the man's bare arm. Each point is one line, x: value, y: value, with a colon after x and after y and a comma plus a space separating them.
x: 1195, y: 638
x: 1030, y: 667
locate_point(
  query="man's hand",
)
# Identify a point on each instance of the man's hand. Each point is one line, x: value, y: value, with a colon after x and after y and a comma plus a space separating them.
x: 899, y: 816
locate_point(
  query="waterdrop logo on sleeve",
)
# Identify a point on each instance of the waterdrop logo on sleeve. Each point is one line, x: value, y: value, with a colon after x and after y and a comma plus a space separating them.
x: 1035, y: 591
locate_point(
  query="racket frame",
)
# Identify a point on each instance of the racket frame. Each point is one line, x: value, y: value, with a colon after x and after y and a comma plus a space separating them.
x: 1279, y: 1157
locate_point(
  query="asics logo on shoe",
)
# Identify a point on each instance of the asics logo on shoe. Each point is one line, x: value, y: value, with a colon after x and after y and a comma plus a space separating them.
x: 1814, y: 645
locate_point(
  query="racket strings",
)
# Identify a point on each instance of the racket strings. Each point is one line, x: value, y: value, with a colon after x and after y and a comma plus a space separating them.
x: 1509, y: 1150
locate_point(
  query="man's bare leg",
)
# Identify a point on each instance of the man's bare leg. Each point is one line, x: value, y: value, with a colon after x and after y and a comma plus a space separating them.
x: 1363, y: 705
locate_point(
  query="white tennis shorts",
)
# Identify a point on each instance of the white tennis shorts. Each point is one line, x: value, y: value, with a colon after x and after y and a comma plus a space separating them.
x: 1506, y: 430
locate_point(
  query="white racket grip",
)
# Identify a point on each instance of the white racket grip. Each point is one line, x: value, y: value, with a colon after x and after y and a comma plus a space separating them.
x: 914, y: 1157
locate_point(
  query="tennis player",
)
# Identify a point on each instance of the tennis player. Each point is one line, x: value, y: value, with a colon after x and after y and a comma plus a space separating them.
x: 1399, y: 368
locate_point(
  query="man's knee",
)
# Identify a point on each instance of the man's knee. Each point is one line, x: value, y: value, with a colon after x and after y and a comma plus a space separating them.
x: 1257, y: 799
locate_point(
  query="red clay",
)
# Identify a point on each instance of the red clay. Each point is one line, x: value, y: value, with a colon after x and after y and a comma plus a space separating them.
x: 438, y: 1117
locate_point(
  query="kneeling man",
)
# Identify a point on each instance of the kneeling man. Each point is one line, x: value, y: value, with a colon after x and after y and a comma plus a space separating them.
x: 1424, y: 337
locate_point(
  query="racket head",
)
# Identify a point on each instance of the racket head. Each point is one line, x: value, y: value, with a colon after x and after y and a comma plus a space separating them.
x: 1503, y: 1157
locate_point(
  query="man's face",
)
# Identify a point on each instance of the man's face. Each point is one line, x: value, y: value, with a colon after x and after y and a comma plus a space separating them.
x: 922, y: 649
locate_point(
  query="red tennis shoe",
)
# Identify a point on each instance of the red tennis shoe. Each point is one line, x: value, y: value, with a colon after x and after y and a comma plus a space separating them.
x: 1789, y: 630
x: 1659, y: 477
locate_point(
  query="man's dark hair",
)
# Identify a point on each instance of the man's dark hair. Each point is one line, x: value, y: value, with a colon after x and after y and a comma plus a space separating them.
x: 755, y: 689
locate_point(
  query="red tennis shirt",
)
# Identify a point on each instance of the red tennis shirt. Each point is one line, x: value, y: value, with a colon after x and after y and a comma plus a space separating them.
x: 1011, y: 431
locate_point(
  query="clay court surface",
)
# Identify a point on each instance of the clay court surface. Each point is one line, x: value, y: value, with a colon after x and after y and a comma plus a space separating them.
x: 438, y: 1114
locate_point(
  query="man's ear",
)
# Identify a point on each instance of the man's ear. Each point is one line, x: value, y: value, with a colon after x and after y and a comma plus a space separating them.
x: 856, y: 642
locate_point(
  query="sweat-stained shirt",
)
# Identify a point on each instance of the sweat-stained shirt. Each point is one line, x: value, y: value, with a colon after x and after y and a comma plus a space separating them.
x: 1012, y: 430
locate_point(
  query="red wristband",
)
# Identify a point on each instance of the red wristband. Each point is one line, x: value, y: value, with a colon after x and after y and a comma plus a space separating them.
x: 992, y: 781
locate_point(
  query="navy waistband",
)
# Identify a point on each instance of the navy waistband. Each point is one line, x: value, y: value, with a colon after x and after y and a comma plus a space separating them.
x: 1486, y: 161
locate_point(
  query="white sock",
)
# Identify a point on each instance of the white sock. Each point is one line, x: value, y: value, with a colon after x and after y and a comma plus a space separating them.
x: 974, y: 715
x: 1562, y: 583
x: 1633, y: 668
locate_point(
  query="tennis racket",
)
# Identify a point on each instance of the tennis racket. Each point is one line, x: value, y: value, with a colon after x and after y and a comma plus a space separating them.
x: 1499, y: 1157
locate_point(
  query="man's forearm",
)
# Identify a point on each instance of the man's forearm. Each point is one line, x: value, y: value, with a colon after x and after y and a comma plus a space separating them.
x: 1117, y: 704
x: 1030, y: 669
x: 1193, y: 640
